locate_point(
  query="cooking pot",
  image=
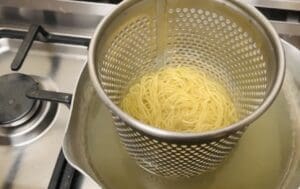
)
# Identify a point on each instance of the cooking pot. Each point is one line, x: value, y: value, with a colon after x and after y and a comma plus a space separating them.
x: 266, y: 157
x: 92, y: 146
x: 228, y: 40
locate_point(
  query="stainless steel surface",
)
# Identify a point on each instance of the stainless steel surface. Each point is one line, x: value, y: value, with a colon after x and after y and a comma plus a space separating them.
x: 287, y: 27
x: 279, y: 4
x: 77, y: 158
x: 56, y: 16
x: 291, y: 25
x: 57, y: 68
x: 64, y: 6
x: 267, y: 156
x: 217, y: 37
x: 31, y: 130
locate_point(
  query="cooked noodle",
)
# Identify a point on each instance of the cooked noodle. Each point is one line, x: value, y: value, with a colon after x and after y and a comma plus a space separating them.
x: 181, y: 99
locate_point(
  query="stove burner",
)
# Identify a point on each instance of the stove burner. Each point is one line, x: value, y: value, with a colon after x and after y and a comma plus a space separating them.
x: 15, y: 107
x: 22, y: 119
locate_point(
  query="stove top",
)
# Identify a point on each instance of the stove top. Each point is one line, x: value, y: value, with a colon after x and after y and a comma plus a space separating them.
x: 43, y: 49
x: 31, y: 137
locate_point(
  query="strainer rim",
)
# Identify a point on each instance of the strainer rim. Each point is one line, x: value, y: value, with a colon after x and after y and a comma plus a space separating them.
x: 190, y: 137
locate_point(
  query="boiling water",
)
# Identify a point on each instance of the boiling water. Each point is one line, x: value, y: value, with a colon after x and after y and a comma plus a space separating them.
x: 259, y: 161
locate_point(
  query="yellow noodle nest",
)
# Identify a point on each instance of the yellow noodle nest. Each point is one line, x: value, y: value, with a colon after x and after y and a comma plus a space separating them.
x: 181, y: 99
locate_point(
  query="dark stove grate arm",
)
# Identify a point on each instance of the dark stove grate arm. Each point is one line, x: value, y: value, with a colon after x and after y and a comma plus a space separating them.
x: 37, y: 32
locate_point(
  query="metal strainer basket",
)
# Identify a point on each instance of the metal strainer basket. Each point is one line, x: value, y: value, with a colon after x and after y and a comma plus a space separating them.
x: 227, y: 39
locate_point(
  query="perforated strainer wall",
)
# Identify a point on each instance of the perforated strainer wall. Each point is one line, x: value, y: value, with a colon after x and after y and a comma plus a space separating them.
x: 171, y: 159
x: 217, y: 43
x: 131, y: 52
x: 221, y: 47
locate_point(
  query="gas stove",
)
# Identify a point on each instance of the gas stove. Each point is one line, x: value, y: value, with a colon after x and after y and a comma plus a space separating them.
x: 32, y: 128
x: 43, y: 49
